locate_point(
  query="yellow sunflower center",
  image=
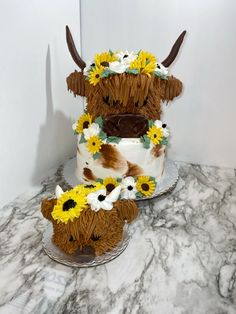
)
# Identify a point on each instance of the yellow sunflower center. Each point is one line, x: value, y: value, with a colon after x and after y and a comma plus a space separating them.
x: 110, y: 183
x: 83, y: 123
x: 94, y: 144
x: 86, y: 124
x: 155, y: 134
x: 110, y: 187
x: 68, y: 205
x: 145, y: 186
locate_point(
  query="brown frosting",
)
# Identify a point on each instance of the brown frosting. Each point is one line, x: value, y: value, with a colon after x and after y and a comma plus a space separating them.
x: 125, y: 125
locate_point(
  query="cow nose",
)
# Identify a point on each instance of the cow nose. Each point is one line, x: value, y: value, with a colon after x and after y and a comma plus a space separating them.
x: 125, y: 125
x: 86, y: 254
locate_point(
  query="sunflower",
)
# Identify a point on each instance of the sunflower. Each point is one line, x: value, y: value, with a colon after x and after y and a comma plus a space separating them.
x: 104, y: 58
x: 88, y: 188
x: 83, y: 123
x: 69, y: 206
x: 94, y: 144
x: 149, y: 68
x: 155, y: 134
x: 95, y: 75
x: 110, y: 183
x: 145, y: 185
x: 147, y: 56
x: 145, y: 63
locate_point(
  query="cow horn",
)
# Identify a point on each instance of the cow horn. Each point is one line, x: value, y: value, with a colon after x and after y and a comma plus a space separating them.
x: 73, y: 51
x: 58, y: 191
x: 174, y: 51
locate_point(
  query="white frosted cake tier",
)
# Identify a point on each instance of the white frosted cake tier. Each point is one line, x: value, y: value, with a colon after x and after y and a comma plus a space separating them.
x: 127, y: 158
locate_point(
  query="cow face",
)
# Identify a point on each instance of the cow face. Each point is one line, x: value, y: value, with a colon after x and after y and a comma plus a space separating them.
x: 121, y: 96
x: 92, y: 232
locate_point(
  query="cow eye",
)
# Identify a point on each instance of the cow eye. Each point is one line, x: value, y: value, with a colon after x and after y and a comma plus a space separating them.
x: 95, y: 237
x: 106, y: 100
x: 145, y: 101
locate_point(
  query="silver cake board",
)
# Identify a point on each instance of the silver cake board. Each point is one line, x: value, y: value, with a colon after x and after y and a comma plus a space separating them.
x: 164, y: 186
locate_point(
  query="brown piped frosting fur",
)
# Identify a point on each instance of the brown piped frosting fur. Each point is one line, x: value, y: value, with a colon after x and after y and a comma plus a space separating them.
x: 125, y: 93
x: 101, y: 230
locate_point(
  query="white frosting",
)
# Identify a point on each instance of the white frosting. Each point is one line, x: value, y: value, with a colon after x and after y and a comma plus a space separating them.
x: 107, y: 202
x: 131, y: 150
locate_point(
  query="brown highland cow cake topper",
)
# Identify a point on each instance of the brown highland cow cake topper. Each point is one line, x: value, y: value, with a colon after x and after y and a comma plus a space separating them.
x: 124, y: 86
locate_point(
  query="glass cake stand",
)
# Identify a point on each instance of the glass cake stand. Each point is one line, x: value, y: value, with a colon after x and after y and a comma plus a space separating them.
x: 77, y: 260
x: 165, y: 185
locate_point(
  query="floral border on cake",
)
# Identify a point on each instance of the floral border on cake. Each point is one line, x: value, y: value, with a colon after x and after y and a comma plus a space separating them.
x: 92, y: 134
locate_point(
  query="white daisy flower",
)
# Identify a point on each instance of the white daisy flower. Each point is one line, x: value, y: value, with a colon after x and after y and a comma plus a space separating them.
x: 74, y: 125
x: 100, y: 200
x: 161, y: 69
x: 165, y: 130
x: 117, y: 67
x: 159, y: 124
x: 88, y: 67
x: 128, y: 188
x: 126, y: 57
x: 94, y: 129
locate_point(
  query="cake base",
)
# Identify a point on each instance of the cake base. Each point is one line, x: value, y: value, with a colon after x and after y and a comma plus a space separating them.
x: 77, y: 260
x: 165, y: 185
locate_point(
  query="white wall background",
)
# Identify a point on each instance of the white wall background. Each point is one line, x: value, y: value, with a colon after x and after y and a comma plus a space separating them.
x: 203, y: 119
x: 36, y: 111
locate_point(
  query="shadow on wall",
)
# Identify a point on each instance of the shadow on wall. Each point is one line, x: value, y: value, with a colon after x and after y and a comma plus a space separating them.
x: 55, y: 135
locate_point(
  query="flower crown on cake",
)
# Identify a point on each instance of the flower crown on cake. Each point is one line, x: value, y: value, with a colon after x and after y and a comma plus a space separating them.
x: 110, y: 63
x: 100, y: 195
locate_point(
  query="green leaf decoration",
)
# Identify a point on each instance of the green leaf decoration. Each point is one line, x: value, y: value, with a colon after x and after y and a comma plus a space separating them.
x: 164, y: 141
x: 99, y: 180
x: 107, y: 72
x: 96, y: 156
x: 99, y: 121
x: 132, y: 71
x: 138, y: 195
x: 75, y: 133
x: 111, y: 52
x: 102, y: 135
x: 82, y: 139
x: 150, y: 123
x: 162, y: 76
x: 141, y: 139
x: 146, y: 145
x: 152, y: 178
x: 119, y: 179
x: 113, y: 139
x: 146, y: 141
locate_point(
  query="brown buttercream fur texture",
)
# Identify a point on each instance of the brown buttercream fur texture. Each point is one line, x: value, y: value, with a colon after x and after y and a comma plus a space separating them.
x: 125, y: 93
x: 101, y: 230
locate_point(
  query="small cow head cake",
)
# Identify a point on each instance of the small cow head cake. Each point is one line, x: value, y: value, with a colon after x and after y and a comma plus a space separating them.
x: 87, y: 218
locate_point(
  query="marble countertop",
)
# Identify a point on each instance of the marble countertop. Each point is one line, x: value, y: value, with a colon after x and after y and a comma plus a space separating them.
x: 181, y: 257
